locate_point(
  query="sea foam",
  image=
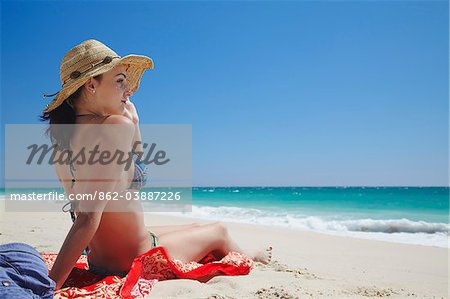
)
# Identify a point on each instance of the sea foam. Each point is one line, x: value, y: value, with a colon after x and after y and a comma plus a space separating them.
x: 391, y: 230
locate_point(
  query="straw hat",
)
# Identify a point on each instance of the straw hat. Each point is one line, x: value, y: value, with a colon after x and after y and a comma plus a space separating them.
x: 92, y: 58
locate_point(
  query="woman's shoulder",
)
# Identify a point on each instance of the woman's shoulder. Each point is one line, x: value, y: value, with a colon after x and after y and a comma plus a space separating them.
x: 104, y: 133
x: 118, y: 125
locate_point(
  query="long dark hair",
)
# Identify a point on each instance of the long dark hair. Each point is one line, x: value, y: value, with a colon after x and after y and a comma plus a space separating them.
x: 64, y: 114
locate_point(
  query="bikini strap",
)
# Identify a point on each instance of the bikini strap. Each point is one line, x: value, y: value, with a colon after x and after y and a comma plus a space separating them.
x: 87, y: 114
x: 72, y: 169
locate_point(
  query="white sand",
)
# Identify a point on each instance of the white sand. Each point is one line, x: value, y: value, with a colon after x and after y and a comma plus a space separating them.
x: 306, y: 264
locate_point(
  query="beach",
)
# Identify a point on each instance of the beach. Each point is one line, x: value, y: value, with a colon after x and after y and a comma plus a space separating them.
x: 319, y: 129
x: 305, y: 264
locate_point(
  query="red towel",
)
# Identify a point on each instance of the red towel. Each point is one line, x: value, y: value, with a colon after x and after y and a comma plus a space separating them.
x: 146, y: 270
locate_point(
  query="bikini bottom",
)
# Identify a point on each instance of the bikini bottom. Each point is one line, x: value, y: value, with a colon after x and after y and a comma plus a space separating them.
x: 105, y: 272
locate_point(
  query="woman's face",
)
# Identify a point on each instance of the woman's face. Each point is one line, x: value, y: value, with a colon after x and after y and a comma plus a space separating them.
x: 113, y: 91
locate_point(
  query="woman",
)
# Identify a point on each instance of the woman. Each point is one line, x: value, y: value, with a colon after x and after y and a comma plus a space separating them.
x: 97, y: 85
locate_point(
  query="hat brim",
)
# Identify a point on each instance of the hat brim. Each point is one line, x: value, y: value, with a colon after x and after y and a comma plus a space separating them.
x: 137, y: 66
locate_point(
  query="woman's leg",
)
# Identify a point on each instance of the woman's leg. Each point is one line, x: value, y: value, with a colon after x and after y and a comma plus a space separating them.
x: 164, y: 229
x: 195, y: 243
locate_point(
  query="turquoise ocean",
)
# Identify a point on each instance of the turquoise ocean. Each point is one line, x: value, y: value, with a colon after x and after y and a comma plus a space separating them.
x: 411, y: 215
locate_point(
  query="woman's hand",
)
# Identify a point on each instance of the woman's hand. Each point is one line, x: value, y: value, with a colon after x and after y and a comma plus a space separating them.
x: 130, y: 112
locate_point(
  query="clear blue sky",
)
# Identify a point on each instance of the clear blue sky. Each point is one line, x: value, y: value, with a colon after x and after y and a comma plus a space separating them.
x: 278, y: 93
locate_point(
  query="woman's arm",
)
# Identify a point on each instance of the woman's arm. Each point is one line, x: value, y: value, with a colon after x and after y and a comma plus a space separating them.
x: 76, y: 241
x: 137, y: 138
x: 131, y: 113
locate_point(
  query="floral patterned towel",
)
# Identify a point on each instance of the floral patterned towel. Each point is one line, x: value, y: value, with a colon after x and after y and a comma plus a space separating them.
x: 146, y: 270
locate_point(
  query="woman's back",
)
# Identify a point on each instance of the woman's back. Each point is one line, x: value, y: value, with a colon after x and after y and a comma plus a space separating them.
x: 121, y: 234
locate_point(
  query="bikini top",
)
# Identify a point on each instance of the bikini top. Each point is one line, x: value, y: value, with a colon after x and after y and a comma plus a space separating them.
x: 140, y: 176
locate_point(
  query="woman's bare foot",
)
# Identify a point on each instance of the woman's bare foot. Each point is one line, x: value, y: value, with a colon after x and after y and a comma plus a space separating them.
x: 263, y: 256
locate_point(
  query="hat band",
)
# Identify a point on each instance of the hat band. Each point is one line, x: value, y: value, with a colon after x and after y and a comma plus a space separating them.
x: 76, y: 74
